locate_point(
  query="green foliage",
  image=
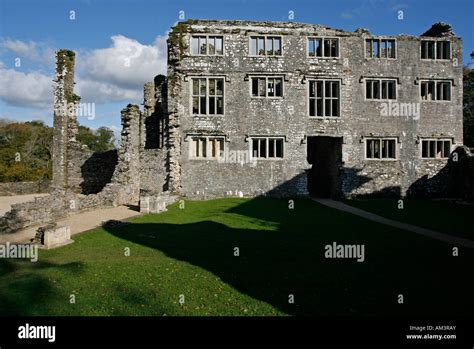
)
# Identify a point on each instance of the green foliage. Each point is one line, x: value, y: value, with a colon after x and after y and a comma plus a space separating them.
x: 70, y: 54
x: 86, y: 136
x: 72, y: 98
x: 468, y: 107
x: 98, y: 141
x: 176, y: 36
x: 26, y: 149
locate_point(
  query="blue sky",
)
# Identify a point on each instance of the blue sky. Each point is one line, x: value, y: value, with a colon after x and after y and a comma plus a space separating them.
x: 103, y: 32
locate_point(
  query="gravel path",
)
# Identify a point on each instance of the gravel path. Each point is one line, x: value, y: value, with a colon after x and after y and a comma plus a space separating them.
x: 79, y: 223
x: 379, y: 219
x: 7, y: 201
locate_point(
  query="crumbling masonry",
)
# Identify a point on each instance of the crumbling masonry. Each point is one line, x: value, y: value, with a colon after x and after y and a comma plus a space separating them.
x: 321, y: 111
x: 266, y: 108
x: 71, y: 179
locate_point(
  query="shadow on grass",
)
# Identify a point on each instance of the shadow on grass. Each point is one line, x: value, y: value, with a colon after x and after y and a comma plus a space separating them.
x: 20, y: 295
x: 274, y: 264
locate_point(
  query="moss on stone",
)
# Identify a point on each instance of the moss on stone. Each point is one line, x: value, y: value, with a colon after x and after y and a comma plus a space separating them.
x: 65, y: 58
x: 70, y: 54
x: 72, y: 98
x: 176, y: 36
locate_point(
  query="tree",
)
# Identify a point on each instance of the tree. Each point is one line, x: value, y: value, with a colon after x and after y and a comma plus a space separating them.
x: 24, y: 151
x: 97, y: 141
x: 105, y: 139
x: 26, y: 148
x: 86, y: 136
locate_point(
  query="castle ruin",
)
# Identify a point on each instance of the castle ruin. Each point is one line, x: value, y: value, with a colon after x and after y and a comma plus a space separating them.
x: 270, y: 108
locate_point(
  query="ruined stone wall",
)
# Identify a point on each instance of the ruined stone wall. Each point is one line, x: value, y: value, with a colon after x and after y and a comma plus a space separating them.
x: 289, y: 117
x: 127, y: 171
x: 23, y: 188
x: 153, y: 152
x: 77, y: 171
x: 154, y: 157
x: 64, y: 117
x: 50, y: 208
x: 175, y: 110
x: 153, y: 176
x: 62, y: 202
x: 97, y: 171
x: 40, y: 210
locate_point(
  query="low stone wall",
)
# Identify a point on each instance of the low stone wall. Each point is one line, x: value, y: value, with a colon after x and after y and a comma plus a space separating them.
x: 83, y: 180
x: 155, y: 203
x: 24, y: 188
x: 52, y: 236
x: 40, y: 210
x: 58, y: 205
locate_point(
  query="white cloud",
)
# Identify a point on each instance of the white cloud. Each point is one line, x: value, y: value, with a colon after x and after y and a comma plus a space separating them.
x: 127, y: 63
x: 36, y: 52
x: 102, y: 92
x: 112, y: 74
x: 20, y: 47
x: 26, y: 89
x: 32, y: 89
x: 367, y: 8
x: 397, y: 7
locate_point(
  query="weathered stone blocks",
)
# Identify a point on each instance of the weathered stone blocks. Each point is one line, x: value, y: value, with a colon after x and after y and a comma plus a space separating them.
x: 155, y: 203
x: 53, y: 236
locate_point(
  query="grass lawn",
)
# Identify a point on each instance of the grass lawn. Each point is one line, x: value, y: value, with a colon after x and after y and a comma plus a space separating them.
x: 190, y: 252
x: 442, y: 216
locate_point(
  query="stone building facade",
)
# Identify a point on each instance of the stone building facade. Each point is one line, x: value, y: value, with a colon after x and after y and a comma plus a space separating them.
x: 319, y: 111
x: 270, y: 108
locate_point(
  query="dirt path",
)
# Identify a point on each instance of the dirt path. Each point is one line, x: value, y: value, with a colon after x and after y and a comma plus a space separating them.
x: 379, y: 219
x: 79, y: 223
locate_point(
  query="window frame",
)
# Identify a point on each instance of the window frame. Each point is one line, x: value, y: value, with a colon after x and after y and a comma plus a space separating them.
x: 308, y: 98
x: 435, y: 140
x: 380, y: 39
x: 435, y: 82
x: 322, y: 38
x: 207, y: 54
x: 380, y: 81
x: 266, y: 77
x: 435, y: 54
x: 191, y: 96
x: 267, y: 139
x: 265, y: 37
x: 207, y: 138
x: 381, y: 139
